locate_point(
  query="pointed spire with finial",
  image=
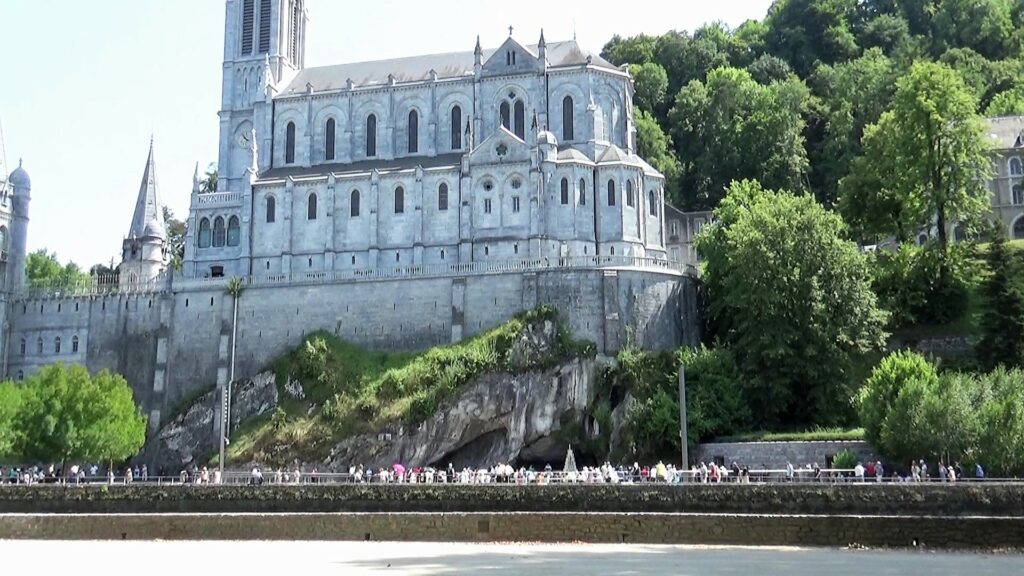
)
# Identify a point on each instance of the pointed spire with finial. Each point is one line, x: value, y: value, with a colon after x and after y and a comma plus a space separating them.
x: 542, y: 47
x: 478, y: 52
x: 196, y: 182
x: 148, y: 221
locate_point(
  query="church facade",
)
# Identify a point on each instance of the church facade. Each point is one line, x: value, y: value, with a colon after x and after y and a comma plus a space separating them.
x: 398, y: 204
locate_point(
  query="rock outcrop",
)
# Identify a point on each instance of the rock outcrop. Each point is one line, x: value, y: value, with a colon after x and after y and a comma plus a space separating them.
x: 500, y: 418
x: 193, y: 436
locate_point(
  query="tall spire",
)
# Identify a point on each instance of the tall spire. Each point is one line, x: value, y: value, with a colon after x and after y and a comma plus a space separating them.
x: 148, y: 221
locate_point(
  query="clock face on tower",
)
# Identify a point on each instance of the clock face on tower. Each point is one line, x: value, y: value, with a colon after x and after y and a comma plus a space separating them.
x: 245, y: 142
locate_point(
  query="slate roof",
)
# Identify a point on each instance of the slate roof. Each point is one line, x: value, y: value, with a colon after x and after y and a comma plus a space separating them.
x: 362, y: 167
x: 417, y: 68
x: 1006, y: 132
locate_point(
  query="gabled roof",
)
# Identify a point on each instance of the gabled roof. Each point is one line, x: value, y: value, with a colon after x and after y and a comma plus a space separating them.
x: 573, y: 155
x: 1006, y: 132
x: 615, y: 155
x: 148, y: 221
x: 418, y: 68
x: 384, y: 166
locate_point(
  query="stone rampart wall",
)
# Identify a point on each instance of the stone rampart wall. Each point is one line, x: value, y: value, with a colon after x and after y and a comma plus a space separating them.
x: 775, y: 455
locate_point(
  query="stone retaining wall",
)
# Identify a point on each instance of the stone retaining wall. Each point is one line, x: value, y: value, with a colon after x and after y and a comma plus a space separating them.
x: 747, y: 530
x: 966, y: 499
x: 775, y: 455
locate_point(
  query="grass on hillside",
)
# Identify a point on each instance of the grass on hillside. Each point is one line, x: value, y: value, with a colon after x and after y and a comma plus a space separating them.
x: 349, y: 390
x: 814, y: 435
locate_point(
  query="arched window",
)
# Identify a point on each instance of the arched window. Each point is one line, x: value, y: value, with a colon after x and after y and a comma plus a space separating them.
x: 414, y: 132
x: 23, y: 344
x: 39, y: 346
x: 371, y: 136
x: 220, y: 233
x: 74, y: 344
x: 611, y: 192
x: 271, y: 210
x: 565, y: 191
x: 289, y: 144
x: 520, y: 130
x: 354, y: 204
x: 399, y: 200
x: 1018, y: 229
x: 442, y: 197
x: 652, y: 203
x: 1016, y: 168
x: 234, y: 232
x: 311, y: 207
x: 1018, y: 195
x: 568, y: 115
x: 505, y: 111
x: 205, y: 239
x: 630, y: 201
x: 457, y: 128
x: 583, y: 192
x: 3, y: 238
x: 329, y: 139
x: 21, y: 375
x: 56, y: 345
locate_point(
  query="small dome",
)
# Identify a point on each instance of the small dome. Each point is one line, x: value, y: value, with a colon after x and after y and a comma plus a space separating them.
x: 20, y: 179
x: 546, y: 138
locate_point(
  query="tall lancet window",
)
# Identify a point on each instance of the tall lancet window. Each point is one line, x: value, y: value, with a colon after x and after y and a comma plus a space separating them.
x: 266, y: 16
x: 293, y: 47
x: 520, y: 130
x: 234, y: 231
x: 219, y: 233
x: 414, y: 132
x: 505, y: 112
x: 329, y: 139
x: 568, y: 132
x: 289, y: 144
x: 248, y: 24
x: 457, y: 128
x: 371, y: 136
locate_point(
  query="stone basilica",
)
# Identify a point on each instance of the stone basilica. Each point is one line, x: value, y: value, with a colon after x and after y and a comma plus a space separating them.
x: 397, y: 204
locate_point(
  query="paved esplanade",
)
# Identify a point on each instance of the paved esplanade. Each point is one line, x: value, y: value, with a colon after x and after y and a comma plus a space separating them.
x: 426, y: 558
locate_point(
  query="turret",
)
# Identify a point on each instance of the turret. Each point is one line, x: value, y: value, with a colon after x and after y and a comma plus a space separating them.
x: 17, y: 246
x: 143, y: 254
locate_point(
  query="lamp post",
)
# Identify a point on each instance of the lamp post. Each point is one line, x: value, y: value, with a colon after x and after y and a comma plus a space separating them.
x: 682, y: 419
x: 234, y: 288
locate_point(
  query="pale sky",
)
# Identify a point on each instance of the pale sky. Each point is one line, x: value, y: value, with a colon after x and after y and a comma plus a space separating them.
x: 84, y: 83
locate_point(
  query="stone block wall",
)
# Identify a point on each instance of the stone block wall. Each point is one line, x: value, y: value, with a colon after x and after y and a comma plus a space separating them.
x: 775, y: 455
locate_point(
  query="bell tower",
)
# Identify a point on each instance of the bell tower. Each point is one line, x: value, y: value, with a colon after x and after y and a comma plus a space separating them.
x: 264, y: 47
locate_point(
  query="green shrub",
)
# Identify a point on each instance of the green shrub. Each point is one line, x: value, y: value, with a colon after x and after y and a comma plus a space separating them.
x: 923, y: 285
x: 845, y: 460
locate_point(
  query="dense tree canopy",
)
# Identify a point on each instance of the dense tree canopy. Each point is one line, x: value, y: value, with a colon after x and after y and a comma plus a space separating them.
x: 732, y: 128
x: 65, y: 414
x: 791, y: 296
x: 43, y: 269
x: 1002, y: 319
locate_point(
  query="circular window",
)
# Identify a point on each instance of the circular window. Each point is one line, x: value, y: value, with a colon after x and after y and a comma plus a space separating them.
x: 517, y: 183
x: 488, y: 185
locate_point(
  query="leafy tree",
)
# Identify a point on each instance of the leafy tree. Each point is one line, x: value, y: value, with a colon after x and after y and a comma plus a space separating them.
x: 870, y: 198
x: 687, y: 58
x: 883, y: 387
x: 791, y: 297
x: 714, y: 398
x: 1002, y: 321
x: 747, y: 42
x: 656, y: 147
x: 1001, y: 424
x: 651, y: 82
x: 938, y: 161
x: 68, y: 415
x: 854, y: 95
x: 805, y: 32
x: 208, y: 184
x: 732, y: 128
x: 634, y: 50
x: 985, y: 26
x: 923, y: 285
x: 42, y: 269
x: 887, y: 32
x: 10, y: 403
x: 767, y: 69
x: 1008, y: 103
x: 176, y: 231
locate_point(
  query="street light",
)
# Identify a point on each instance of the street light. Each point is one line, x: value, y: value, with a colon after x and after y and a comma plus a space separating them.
x: 682, y: 419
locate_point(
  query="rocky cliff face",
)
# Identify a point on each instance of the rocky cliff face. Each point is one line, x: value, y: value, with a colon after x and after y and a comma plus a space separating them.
x: 500, y: 418
x: 193, y: 436
x: 527, y: 416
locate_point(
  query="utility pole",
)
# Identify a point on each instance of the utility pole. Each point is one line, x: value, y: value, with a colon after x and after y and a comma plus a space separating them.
x: 682, y: 418
x: 235, y: 289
